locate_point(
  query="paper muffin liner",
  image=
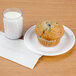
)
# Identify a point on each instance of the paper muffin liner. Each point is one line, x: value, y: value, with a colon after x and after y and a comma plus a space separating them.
x: 48, y: 43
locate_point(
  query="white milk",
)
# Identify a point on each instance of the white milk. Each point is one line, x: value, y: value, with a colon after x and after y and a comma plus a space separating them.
x: 13, y: 25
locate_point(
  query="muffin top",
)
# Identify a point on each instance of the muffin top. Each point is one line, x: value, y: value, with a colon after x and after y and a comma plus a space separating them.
x: 49, y: 30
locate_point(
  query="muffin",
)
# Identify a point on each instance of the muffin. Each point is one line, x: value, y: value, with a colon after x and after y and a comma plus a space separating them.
x: 49, y: 33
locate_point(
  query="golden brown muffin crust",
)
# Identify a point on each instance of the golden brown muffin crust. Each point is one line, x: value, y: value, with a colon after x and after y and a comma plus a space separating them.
x: 49, y: 30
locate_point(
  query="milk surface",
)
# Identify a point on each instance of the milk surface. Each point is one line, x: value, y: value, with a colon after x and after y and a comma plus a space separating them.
x: 13, y: 25
x: 12, y: 15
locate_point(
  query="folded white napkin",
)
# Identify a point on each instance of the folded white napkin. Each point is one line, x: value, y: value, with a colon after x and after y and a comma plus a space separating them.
x: 16, y: 51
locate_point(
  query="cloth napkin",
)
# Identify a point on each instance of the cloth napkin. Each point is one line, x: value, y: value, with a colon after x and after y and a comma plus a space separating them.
x: 15, y: 50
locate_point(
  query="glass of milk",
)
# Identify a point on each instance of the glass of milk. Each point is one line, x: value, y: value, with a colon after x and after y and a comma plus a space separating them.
x: 13, y: 23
